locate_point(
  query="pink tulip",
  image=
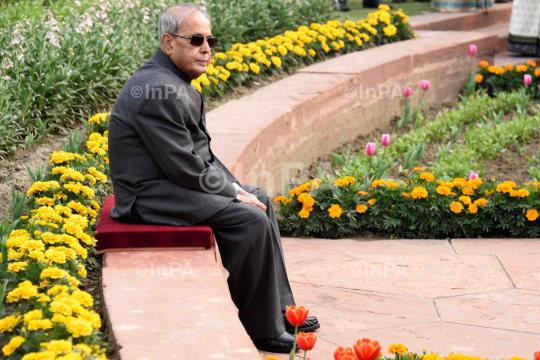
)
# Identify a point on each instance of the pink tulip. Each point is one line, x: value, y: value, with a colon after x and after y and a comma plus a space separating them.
x: 527, y: 79
x: 424, y: 84
x: 472, y: 50
x: 371, y: 149
x: 473, y: 176
x: 407, y: 91
x: 385, y: 140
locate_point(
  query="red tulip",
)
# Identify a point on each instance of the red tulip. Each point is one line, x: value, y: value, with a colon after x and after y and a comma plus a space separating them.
x: 472, y: 50
x: 306, y: 341
x: 371, y: 149
x: 527, y: 79
x: 385, y: 139
x: 537, y: 355
x: 367, y: 349
x: 407, y: 91
x: 425, y: 84
x: 342, y: 353
x: 296, y: 315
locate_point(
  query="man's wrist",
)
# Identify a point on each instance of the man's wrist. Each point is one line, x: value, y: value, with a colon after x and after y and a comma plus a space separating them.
x: 237, y: 187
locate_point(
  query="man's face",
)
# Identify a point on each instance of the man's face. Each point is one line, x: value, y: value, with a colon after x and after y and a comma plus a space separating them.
x: 193, y: 60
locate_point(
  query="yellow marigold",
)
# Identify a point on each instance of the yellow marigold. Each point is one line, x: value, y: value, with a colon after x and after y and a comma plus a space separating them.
x: 532, y: 214
x: 340, y: 182
x: 506, y: 186
x: 484, y: 64
x: 397, y: 348
x: 456, y: 207
x: 419, y: 193
x: 444, y: 190
x: 537, y: 72
x: 489, y: 192
x: 53, y: 273
x: 465, y: 199
x: 392, y: 184
x: 8, y: 323
x: 479, y: 78
x: 427, y: 176
x: 468, y: 191
x: 474, y: 183
x: 304, y: 214
x: 531, y: 63
x: 473, y: 209
x: 79, y: 327
x: 523, y: 193
x: 98, y: 118
x: 362, y: 193
x: 17, y: 266
x: 418, y: 169
x: 522, y: 68
x: 481, y: 202
x: 14, y: 343
x: 372, y: 201
x: 349, y: 179
x: 361, y: 208
x: 60, y: 346
x: 509, y: 66
x: 378, y: 183
x: 460, y: 182
x: 40, y: 324
x: 335, y: 211
x: 405, y: 195
x: 280, y: 199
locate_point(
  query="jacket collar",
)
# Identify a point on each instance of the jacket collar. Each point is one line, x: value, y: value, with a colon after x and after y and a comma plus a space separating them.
x: 164, y: 60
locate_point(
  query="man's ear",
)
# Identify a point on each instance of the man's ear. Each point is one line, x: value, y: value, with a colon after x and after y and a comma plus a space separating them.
x: 166, y: 44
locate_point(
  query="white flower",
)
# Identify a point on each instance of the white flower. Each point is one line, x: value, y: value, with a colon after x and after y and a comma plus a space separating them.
x: 77, y: 3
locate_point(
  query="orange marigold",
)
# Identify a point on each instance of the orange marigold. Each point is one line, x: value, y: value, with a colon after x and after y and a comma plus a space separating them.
x: 484, y: 64
x: 361, y: 208
x: 473, y: 209
x: 427, y: 176
x: 456, y: 207
x: 372, y: 201
x: 444, y: 190
x: 378, y: 183
x: 419, y: 193
x: 465, y: 199
x: 481, y: 202
x: 363, y: 193
x: 532, y: 214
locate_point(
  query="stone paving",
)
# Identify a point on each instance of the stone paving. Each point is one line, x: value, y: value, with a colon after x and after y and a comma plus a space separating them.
x: 478, y: 297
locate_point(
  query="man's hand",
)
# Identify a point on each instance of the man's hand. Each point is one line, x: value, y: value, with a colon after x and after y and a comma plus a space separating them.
x: 250, y: 199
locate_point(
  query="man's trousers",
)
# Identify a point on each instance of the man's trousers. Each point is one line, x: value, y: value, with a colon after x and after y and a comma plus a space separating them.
x: 250, y: 248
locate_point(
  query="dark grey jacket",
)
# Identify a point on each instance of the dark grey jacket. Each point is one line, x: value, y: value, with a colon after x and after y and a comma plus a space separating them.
x: 161, y: 164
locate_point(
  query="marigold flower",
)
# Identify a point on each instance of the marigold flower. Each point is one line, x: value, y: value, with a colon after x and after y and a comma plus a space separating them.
x: 304, y: 214
x: 532, y: 214
x: 366, y: 349
x: 397, y: 348
x: 372, y: 201
x: 479, y: 78
x: 506, y: 186
x: 419, y: 193
x: 362, y: 193
x: 296, y: 315
x: 473, y: 209
x: 456, y: 207
x: 468, y: 191
x: 378, y: 183
x: 481, y: 202
x: 465, y: 200
x: 484, y: 64
x: 361, y: 209
x: 14, y: 343
x: 392, y: 184
x: 444, y: 190
x: 8, y: 323
x: 405, y: 195
x: 418, y: 169
x: 335, y: 211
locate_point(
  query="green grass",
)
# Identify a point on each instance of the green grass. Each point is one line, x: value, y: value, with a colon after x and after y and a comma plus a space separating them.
x: 359, y: 12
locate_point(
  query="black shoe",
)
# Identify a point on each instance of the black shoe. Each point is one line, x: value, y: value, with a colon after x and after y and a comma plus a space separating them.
x: 281, y: 344
x: 341, y: 5
x: 374, y: 4
x: 311, y: 324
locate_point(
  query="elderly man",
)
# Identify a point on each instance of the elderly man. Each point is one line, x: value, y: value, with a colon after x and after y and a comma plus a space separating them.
x: 164, y: 172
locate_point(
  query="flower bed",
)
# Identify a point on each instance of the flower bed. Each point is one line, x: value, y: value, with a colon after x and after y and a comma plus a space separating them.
x: 51, y: 70
x: 43, y: 253
x: 507, y: 78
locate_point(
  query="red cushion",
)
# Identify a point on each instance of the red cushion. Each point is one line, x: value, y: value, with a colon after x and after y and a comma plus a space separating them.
x: 113, y: 234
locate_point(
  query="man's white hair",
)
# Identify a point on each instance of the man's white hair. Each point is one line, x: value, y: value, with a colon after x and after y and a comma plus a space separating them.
x: 172, y: 17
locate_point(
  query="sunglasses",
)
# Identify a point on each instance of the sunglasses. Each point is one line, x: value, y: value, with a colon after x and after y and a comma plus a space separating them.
x: 197, y: 40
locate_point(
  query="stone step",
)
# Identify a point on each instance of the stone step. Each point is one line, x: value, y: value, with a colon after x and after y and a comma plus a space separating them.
x: 514, y: 59
x: 501, y: 30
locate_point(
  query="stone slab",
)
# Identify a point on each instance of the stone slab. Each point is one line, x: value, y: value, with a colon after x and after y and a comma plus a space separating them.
x: 441, y: 338
x: 429, y: 276
x: 172, y: 305
x: 500, y: 13
x: 524, y: 269
x: 514, y: 59
x: 510, y: 310
x: 496, y: 246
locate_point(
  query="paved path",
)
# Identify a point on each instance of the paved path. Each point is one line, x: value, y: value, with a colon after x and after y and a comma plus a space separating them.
x: 478, y: 297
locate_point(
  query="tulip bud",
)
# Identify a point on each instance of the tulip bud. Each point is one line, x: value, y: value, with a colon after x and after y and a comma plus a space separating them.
x: 527, y: 79
x: 407, y: 91
x: 306, y: 341
x: 424, y: 84
x: 385, y: 140
x: 371, y: 149
x: 537, y: 355
x: 473, y: 176
x: 472, y: 50
x: 366, y: 349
